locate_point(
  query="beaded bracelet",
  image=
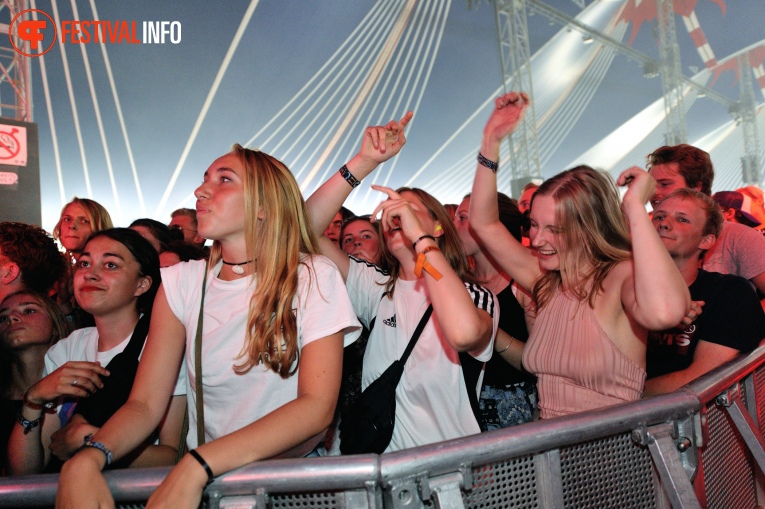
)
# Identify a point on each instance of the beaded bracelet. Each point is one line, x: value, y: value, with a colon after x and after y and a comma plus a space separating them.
x: 194, y: 454
x: 88, y: 442
x: 493, y: 166
x: 348, y: 176
x: 26, y: 423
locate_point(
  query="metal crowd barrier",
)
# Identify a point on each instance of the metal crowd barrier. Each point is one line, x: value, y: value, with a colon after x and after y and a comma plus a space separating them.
x: 701, y: 446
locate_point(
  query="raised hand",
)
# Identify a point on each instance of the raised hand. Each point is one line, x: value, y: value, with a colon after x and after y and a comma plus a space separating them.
x: 641, y: 185
x: 75, y: 378
x: 399, y: 213
x: 380, y: 143
x: 506, y: 115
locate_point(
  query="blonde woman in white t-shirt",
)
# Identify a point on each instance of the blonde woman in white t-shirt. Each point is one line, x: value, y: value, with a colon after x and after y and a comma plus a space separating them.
x: 265, y: 349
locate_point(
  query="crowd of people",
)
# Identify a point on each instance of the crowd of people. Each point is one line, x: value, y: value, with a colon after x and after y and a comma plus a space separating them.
x: 141, y: 346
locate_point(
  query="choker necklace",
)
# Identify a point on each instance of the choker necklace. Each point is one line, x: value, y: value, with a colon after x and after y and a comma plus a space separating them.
x: 237, y: 267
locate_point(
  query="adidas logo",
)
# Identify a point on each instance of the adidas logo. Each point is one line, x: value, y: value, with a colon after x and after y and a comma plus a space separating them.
x: 390, y: 322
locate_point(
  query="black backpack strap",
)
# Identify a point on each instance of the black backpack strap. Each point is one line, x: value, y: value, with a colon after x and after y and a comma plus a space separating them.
x: 471, y: 370
x: 417, y: 333
x: 137, y: 340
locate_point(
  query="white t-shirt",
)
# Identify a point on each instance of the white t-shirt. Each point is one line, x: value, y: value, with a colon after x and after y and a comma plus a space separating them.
x: 431, y: 399
x: 233, y: 401
x: 82, y: 345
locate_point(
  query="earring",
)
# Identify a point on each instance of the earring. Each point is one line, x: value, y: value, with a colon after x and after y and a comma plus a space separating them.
x: 439, y: 228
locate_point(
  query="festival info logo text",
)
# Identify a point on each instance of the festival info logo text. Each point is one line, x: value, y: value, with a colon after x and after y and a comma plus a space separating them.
x: 33, y: 32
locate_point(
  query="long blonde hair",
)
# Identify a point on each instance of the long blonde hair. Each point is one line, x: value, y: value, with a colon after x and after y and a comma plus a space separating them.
x: 449, y: 243
x: 277, y: 236
x: 594, y: 233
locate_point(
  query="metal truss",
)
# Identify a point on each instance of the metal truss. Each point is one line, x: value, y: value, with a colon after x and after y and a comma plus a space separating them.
x: 15, y: 69
x: 746, y: 112
x: 671, y: 74
x: 515, y: 56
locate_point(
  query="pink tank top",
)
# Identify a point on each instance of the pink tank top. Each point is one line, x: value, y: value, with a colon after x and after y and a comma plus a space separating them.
x: 577, y: 365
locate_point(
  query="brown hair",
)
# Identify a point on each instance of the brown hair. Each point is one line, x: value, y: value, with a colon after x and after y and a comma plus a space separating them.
x: 593, y: 230
x: 694, y: 165
x: 449, y: 243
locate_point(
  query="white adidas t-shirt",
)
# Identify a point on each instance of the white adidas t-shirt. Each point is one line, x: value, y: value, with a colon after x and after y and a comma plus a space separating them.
x: 431, y: 399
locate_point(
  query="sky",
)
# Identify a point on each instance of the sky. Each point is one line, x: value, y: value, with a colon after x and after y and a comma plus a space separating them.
x: 297, y: 78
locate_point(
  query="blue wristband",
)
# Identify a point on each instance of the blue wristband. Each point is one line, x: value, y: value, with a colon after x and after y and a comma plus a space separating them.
x: 98, y: 445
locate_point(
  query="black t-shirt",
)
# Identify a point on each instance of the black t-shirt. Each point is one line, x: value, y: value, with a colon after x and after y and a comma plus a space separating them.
x: 731, y: 316
x: 511, y: 320
x: 9, y: 408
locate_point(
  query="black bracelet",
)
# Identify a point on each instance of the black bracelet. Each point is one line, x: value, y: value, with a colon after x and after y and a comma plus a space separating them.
x: 348, y: 176
x: 201, y: 460
x: 426, y: 236
x: 26, y: 423
x: 488, y: 163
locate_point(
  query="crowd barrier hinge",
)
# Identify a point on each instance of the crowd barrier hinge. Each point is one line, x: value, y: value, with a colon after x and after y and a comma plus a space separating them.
x: 665, y: 444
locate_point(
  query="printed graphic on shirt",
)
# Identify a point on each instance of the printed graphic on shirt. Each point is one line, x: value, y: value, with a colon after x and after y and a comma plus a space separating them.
x: 390, y: 322
x: 676, y: 339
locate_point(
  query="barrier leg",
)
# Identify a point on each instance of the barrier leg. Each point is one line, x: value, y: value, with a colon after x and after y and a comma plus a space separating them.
x: 745, y: 426
x: 666, y: 458
x: 548, y: 476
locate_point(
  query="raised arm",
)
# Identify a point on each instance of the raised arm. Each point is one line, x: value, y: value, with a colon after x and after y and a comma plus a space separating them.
x: 514, y: 259
x: 379, y: 144
x: 135, y: 420
x: 464, y: 326
x: 656, y: 295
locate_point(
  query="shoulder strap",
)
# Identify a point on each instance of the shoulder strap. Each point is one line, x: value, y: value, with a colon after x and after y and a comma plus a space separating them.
x: 471, y: 370
x: 417, y: 333
x: 137, y: 340
x: 198, y: 367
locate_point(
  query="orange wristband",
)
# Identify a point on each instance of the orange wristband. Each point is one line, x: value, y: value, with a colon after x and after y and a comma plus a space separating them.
x: 423, y: 264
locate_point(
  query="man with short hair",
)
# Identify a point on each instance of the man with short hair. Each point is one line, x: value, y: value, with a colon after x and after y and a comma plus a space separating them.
x: 185, y: 220
x: 29, y: 259
x: 524, y: 202
x: 739, y: 249
x: 732, y: 320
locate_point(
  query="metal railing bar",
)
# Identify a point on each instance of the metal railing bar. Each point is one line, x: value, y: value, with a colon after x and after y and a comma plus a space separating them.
x: 710, y: 385
x: 536, y: 437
